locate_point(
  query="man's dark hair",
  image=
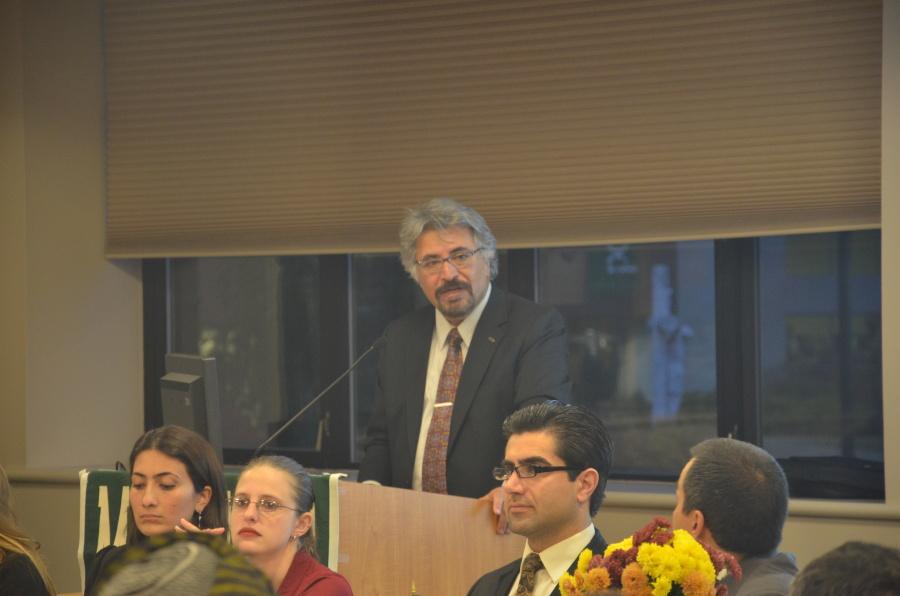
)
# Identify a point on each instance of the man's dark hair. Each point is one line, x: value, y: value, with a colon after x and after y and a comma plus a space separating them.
x: 741, y: 491
x: 852, y: 568
x: 581, y: 438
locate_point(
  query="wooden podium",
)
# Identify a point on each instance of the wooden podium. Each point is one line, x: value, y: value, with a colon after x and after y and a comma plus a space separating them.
x: 391, y: 538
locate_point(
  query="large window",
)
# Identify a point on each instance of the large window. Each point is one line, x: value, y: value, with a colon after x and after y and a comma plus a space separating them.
x: 670, y: 343
x: 642, y: 340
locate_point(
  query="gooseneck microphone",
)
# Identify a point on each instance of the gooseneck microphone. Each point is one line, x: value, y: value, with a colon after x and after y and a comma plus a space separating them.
x: 375, y: 345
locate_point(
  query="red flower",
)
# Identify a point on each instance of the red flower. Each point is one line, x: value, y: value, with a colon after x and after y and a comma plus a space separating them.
x: 656, y: 530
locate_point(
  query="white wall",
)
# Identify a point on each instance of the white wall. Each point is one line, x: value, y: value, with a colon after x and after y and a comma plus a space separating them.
x: 12, y: 238
x: 71, y: 335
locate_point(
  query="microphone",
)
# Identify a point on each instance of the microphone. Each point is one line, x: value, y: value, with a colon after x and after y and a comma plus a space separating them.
x: 375, y: 345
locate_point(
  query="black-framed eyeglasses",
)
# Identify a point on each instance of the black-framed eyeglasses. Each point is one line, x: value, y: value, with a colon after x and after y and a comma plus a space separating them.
x: 263, y: 504
x: 459, y: 259
x: 502, y: 473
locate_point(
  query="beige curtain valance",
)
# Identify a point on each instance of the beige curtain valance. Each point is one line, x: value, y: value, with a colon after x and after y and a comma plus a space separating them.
x: 278, y: 127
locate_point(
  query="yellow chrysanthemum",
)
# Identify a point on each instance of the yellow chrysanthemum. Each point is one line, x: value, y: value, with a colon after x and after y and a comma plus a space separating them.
x: 692, y: 556
x: 659, y: 561
x: 662, y: 586
x: 597, y: 579
x: 623, y: 545
x: 567, y: 585
x: 583, y: 559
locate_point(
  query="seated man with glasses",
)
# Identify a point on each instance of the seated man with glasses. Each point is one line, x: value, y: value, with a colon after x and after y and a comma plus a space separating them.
x: 449, y: 373
x: 558, y: 457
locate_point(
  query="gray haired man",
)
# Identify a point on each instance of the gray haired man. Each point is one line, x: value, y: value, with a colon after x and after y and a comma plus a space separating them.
x: 450, y: 373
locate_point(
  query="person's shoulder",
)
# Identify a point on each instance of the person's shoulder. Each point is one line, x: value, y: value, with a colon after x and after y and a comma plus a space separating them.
x: 103, y: 558
x: 516, y: 304
x: 108, y: 554
x: 329, y: 584
x: 308, y: 577
x: 766, y: 576
x: 498, y: 581
x: 18, y: 575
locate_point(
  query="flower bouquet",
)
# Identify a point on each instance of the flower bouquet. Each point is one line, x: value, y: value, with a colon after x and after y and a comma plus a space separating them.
x: 654, y: 561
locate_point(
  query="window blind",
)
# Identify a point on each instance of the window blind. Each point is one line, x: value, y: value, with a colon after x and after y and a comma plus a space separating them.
x: 287, y: 127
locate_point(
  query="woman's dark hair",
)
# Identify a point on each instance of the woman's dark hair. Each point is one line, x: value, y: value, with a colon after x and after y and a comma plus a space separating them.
x: 301, y: 485
x: 202, y: 464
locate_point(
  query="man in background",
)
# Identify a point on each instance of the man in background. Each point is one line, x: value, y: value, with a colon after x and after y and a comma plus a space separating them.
x: 734, y: 496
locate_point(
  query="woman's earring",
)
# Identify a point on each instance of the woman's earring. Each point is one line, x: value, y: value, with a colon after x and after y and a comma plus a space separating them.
x: 199, y: 519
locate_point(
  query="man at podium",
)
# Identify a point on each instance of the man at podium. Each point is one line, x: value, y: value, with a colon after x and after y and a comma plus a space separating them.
x: 449, y: 373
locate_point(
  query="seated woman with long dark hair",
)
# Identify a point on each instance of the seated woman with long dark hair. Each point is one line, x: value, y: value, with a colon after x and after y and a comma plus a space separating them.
x: 176, y: 482
x: 22, y: 572
x: 271, y: 525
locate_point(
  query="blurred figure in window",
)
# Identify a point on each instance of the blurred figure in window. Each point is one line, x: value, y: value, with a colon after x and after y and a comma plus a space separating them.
x: 22, y: 572
x: 668, y: 335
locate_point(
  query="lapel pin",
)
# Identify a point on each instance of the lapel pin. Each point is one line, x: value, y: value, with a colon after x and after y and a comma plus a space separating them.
x: 491, y: 339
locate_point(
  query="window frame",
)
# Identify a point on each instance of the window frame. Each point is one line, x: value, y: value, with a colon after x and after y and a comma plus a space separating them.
x: 738, y: 405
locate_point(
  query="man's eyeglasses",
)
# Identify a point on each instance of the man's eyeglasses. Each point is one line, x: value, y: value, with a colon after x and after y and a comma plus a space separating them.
x: 459, y: 259
x: 263, y: 504
x: 502, y: 473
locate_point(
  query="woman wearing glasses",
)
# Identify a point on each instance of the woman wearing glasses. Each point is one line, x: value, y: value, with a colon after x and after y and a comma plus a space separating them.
x: 176, y: 482
x: 271, y: 525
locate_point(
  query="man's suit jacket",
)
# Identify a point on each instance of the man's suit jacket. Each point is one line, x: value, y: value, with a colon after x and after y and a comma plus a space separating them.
x: 518, y: 355
x: 500, y: 581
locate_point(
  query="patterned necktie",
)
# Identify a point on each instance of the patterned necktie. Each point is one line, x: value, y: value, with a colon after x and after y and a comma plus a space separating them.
x: 434, y: 462
x: 530, y: 568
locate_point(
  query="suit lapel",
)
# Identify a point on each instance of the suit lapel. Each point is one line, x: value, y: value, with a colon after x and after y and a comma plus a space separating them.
x: 418, y: 349
x: 505, y: 584
x: 488, y: 335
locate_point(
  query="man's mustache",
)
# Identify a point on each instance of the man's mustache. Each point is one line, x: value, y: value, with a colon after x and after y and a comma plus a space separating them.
x: 453, y: 285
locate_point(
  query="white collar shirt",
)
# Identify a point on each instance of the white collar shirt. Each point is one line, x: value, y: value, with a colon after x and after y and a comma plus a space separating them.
x: 436, y: 358
x: 556, y: 559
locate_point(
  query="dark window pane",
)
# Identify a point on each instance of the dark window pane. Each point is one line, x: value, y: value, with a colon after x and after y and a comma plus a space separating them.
x: 259, y: 317
x: 641, y: 322
x: 820, y: 352
x: 381, y: 292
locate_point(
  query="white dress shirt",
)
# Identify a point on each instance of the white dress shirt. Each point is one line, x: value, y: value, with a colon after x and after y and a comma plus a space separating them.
x: 556, y: 559
x: 436, y: 358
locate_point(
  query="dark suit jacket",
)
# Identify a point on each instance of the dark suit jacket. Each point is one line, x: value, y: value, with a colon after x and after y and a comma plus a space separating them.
x: 518, y: 355
x: 499, y: 581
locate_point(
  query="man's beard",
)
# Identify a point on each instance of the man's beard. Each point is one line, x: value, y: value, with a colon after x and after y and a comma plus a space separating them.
x: 459, y: 308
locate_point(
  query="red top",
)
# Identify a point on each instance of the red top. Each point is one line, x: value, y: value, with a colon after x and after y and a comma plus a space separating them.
x: 308, y: 577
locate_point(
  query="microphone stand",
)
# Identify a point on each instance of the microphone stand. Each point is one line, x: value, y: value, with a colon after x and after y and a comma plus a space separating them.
x: 376, y: 344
